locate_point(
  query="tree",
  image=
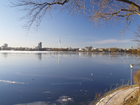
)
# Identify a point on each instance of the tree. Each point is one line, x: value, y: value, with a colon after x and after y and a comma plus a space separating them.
x: 95, y: 10
x: 137, y: 35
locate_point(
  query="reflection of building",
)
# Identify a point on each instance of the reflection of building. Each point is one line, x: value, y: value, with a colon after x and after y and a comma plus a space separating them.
x: 39, y: 44
x: 58, y: 60
x: 39, y: 56
x: 5, y: 54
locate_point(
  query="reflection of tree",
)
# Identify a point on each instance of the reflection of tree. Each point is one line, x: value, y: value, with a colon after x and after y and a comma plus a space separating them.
x: 91, y: 54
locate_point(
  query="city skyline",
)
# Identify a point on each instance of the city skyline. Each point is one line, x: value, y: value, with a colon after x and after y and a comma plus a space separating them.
x: 75, y: 31
x: 39, y: 46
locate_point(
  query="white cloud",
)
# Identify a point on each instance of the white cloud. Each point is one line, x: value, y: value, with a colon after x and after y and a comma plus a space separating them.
x: 110, y: 41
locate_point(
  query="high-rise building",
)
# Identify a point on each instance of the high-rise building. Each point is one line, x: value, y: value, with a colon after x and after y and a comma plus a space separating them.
x: 39, y: 45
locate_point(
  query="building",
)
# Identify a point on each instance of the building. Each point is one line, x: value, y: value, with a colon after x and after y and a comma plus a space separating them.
x: 5, y: 45
x: 88, y: 48
x: 39, y: 45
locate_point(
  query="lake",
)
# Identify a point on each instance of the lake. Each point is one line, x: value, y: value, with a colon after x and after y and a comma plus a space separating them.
x: 60, y: 78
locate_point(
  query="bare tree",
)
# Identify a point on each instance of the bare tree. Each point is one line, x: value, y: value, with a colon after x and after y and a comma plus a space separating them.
x: 95, y: 10
x: 137, y: 35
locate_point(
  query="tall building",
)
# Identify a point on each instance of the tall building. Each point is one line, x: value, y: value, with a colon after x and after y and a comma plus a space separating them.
x: 39, y: 45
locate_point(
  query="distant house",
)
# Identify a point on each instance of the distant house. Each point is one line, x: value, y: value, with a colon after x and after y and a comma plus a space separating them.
x: 88, y: 48
x: 4, y: 47
x: 100, y: 49
x: 81, y: 49
x: 69, y: 48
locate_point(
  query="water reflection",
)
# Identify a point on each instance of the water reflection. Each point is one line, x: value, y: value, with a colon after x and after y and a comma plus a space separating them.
x: 5, y: 54
x: 59, y: 60
x: 39, y: 56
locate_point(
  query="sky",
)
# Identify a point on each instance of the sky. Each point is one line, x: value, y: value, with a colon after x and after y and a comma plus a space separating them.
x: 75, y: 31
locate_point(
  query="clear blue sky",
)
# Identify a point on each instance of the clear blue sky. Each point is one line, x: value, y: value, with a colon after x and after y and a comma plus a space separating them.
x: 74, y: 31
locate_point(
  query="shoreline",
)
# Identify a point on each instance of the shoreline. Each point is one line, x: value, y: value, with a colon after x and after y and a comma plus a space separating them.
x: 117, y: 97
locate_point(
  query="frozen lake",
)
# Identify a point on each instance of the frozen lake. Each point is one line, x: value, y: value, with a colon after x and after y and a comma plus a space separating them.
x: 59, y: 78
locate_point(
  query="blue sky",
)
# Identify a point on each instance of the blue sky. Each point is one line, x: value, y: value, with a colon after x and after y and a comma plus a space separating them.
x: 74, y: 31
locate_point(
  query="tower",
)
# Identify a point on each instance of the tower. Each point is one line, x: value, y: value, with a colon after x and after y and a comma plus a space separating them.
x: 59, y: 41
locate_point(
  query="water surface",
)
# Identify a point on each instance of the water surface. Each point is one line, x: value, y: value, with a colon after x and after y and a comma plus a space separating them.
x: 59, y: 78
